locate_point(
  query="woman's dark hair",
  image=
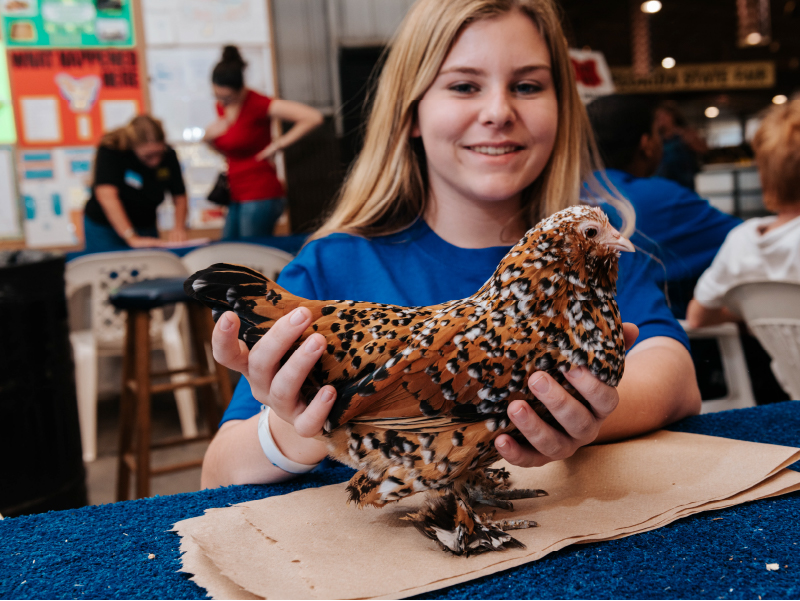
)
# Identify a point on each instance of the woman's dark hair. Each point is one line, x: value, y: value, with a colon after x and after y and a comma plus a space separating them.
x: 619, y: 122
x: 229, y: 72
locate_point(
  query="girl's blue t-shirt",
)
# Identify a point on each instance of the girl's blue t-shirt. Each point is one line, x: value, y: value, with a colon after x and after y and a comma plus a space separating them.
x: 415, y: 267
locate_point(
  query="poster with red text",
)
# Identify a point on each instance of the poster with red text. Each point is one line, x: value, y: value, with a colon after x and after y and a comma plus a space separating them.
x: 71, y: 97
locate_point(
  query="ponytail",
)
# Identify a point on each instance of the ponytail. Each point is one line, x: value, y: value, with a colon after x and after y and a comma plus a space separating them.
x: 229, y: 72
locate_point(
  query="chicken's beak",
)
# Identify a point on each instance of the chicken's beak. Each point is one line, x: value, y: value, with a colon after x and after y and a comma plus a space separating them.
x: 615, y: 240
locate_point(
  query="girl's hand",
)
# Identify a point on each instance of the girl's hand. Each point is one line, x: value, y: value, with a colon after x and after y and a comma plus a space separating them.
x: 216, y: 129
x: 144, y: 242
x: 581, y: 424
x: 273, y: 384
x: 268, y: 154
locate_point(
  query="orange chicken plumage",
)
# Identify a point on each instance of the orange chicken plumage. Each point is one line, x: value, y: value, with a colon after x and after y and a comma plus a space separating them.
x: 422, y: 392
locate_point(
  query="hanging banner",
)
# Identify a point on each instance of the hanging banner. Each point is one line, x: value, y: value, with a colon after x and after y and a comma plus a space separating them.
x: 697, y: 77
x: 67, y: 23
x: 591, y: 74
x: 71, y: 97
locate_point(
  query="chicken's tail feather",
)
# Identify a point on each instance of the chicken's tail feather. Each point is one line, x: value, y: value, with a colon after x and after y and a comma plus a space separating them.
x: 246, y: 292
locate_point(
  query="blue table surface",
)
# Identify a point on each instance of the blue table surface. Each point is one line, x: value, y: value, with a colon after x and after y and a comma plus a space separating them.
x: 102, y: 551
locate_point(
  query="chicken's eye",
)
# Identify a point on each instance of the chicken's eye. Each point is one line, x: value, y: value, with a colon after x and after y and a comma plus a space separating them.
x: 590, y: 232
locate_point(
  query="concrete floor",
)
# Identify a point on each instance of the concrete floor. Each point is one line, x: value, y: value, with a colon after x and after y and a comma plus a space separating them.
x: 101, y: 474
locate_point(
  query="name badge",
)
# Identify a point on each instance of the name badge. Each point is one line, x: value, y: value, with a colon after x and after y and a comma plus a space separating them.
x: 133, y: 179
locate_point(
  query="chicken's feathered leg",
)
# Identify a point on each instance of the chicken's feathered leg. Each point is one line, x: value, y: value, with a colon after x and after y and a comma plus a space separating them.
x: 448, y: 519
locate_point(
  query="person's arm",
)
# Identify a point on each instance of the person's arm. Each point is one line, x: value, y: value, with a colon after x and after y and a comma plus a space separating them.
x: 216, y: 129
x: 698, y: 315
x: 177, y: 188
x: 178, y: 233
x: 235, y: 455
x: 305, y: 119
x: 108, y: 197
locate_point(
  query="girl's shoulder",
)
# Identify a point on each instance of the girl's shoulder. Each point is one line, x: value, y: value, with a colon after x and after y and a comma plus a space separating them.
x: 257, y: 100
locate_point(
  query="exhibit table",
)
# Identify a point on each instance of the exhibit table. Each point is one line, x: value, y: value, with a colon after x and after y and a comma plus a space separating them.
x: 127, y: 550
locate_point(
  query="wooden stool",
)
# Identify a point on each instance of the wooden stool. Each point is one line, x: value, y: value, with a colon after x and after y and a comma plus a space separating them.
x: 135, y: 444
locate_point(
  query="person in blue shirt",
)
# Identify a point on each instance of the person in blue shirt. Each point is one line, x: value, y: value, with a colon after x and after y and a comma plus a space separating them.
x: 476, y: 132
x: 681, y: 229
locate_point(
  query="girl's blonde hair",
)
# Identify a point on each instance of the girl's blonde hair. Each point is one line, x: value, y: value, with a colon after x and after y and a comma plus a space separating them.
x: 777, y: 149
x: 141, y: 130
x: 385, y: 190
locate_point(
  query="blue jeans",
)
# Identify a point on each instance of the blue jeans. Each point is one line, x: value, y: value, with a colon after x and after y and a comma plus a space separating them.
x: 102, y: 238
x: 252, y: 218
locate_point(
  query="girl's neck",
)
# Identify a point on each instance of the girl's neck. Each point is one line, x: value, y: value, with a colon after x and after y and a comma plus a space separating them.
x: 475, y: 224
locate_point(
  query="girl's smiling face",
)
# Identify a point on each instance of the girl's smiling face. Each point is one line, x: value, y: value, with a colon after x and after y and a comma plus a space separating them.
x: 489, y: 120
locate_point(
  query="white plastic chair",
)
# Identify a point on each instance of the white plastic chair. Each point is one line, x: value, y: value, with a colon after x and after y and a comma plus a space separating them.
x: 264, y: 259
x: 772, y: 312
x: 105, y: 332
x: 734, y: 367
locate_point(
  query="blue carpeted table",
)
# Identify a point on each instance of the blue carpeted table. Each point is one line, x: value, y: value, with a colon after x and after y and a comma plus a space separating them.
x: 102, y: 551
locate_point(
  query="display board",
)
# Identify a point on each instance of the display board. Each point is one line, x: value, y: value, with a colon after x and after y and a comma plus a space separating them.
x: 205, y: 22
x: 180, y: 86
x: 8, y: 133
x: 9, y: 197
x: 67, y: 23
x: 70, y: 97
x: 54, y: 188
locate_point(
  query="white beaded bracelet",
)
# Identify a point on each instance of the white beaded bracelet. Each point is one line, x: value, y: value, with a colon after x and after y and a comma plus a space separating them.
x: 273, y: 453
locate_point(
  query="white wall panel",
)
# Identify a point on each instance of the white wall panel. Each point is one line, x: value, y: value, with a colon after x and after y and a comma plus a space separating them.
x: 302, y: 46
x: 388, y: 16
x: 357, y: 20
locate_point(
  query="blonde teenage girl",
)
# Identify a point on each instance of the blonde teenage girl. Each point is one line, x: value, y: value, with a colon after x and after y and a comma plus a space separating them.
x: 476, y: 132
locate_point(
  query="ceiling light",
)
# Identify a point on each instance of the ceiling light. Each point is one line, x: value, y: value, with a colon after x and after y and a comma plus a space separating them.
x: 779, y: 99
x: 753, y: 38
x: 712, y: 112
x: 651, y: 6
x: 668, y: 62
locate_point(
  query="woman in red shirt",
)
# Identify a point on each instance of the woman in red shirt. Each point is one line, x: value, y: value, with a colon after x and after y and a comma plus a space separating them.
x: 242, y: 134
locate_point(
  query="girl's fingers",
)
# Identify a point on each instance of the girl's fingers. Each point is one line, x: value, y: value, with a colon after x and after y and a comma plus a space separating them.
x: 543, y: 437
x: 578, y: 421
x: 284, y: 390
x: 517, y: 454
x: 602, y: 397
x: 310, y: 422
x: 228, y: 350
x: 266, y: 354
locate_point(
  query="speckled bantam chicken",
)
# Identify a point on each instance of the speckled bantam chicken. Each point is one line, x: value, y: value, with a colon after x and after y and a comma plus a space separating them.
x: 423, y: 391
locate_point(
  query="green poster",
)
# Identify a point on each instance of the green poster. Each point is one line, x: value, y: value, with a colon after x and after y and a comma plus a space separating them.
x: 8, y: 134
x: 67, y: 23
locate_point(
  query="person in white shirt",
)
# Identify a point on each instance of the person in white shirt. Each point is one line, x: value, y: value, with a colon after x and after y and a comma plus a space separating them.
x: 766, y: 248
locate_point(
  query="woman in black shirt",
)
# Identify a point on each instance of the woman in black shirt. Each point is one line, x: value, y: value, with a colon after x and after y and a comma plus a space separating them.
x: 133, y: 168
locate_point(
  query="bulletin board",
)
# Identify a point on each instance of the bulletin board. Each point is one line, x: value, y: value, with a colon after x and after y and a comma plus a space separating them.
x: 54, y: 188
x: 70, y: 97
x: 67, y: 23
x: 8, y: 133
x: 206, y: 22
x: 10, y: 224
